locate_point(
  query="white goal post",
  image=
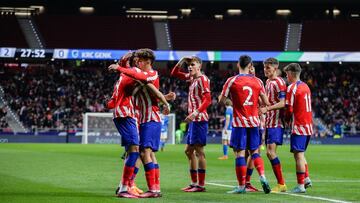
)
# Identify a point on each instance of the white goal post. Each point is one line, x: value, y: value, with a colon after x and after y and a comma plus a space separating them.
x: 99, y: 128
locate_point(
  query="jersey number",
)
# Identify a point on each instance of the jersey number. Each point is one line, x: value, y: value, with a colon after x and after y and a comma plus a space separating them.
x: 308, y: 102
x: 247, y: 100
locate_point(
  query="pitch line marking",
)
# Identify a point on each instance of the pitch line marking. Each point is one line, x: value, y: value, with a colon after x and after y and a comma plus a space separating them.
x: 291, y: 194
x: 318, y: 181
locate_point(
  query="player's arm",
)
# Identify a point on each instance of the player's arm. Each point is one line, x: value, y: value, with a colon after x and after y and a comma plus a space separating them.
x: 110, y: 103
x: 176, y: 72
x: 289, y: 102
x: 204, y: 105
x: 123, y: 62
x: 225, y: 91
x: 221, y: 99
x: 279, y: 105
x: 170, y: 96
x: 137, y: 75
x: 281, y: 96
x: 264, y: 99
x: 160, y: 96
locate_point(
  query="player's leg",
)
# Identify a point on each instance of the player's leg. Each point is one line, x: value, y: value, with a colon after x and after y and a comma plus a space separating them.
x: 274, y: 137
x: 249, y: 172
x: 190, y: 154
x: 163, y: 139
x: 298, y: 145
x: 149, y: 168
x: 254, y: 140
x: 155, y: 133
x: 308, y: 182
x: 225, y: 144
x: 133, y: 186
x: 201, y: 171
x: 130, y: 140
x: 300, y: 172
x: 238, y: 143
x: 149, y: 143
x: 157, y: 172
x: 198, y: 139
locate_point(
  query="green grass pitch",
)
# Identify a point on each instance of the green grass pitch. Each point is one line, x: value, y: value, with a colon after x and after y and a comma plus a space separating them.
x: 90, y: 173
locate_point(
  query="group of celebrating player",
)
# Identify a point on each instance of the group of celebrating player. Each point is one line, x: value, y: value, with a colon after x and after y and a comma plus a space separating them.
x: 136, y: 100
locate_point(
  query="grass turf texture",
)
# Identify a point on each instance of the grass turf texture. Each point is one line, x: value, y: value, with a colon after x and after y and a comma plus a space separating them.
x: 90, y: 173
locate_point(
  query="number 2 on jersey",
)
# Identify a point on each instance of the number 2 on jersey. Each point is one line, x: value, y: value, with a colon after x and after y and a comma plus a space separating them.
x: 247, y: 100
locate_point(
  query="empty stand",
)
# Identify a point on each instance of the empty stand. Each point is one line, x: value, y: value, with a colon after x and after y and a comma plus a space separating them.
x: 102, y: 32
x: 10, y: 32
x: 228, y: 35
x: 331, y: 35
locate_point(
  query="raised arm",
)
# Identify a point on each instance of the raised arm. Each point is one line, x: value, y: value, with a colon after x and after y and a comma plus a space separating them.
x: 176, y: 72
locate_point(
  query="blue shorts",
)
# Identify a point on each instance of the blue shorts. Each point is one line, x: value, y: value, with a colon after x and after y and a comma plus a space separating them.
x: 274, y: 135
x: 150, y: 135
x: 245, y: 138
x: 261, y: 131
x: 128, y: 130
x: 197, y: 133
x: 299, y: 143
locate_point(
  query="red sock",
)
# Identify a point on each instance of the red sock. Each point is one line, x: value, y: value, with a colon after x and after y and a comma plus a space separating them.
x: 201, y: 175
x: 241, y: 174
x: 300, y: 177
x: 278, y: 174
x: 258, y: 163
x: 127, y: 174
x: 150, y: 175
x: 247, y: 179
x: 306, y: 171
x: 193, y: 174
x: 150, y: 179
x: 157, y: 177
x: 132, y: 179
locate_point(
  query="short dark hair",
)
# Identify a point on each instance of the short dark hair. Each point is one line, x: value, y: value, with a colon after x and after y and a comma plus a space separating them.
x: 271, y: 61
x: 244, y: 61
x: 197, y: 59
x: 293, y: 67
x: 131, y: 59
x: 145, y: 54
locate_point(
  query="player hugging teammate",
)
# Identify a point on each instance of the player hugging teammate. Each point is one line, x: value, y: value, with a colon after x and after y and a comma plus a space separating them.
x: 136, y: 103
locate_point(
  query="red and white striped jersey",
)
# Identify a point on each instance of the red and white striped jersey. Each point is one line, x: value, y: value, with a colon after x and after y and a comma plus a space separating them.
x: 275, y: 90
x: 198, y: 87
x: 244, y: 91
x: 298, y: 103
x: 121, y: 98
x: 146, y: 103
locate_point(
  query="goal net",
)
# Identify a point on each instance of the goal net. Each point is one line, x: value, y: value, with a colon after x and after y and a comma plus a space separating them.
x: 99, y: 128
